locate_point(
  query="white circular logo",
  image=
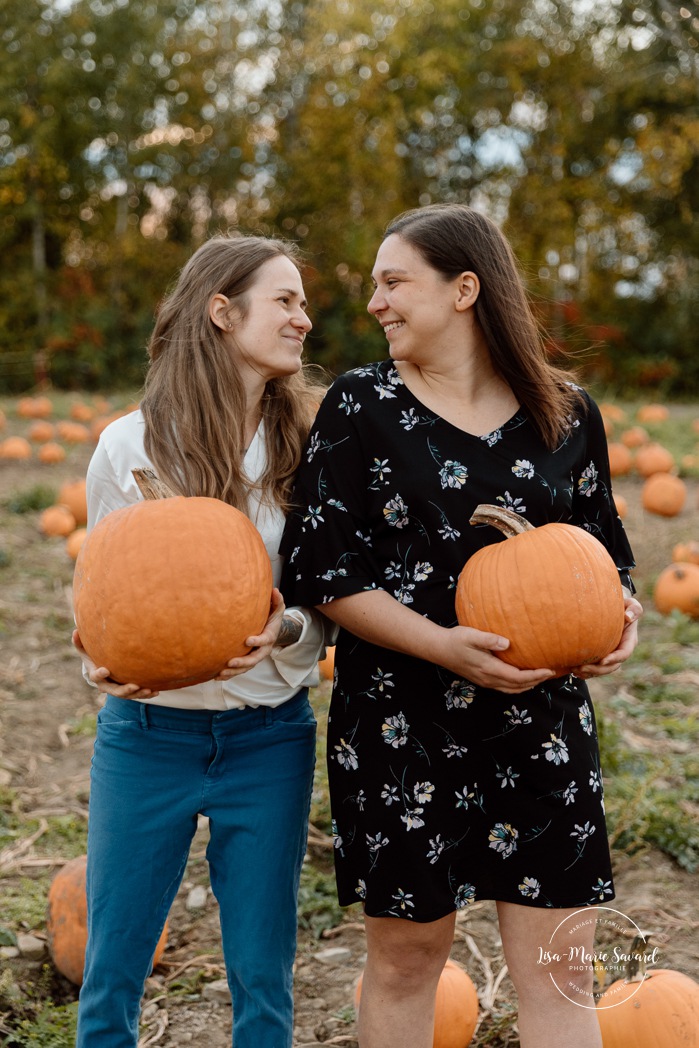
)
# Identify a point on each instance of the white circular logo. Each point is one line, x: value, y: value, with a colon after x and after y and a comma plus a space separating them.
x: 604, y: 940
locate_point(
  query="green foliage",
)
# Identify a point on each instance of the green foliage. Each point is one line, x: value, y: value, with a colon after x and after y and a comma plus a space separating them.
x: 36, y: 498
x: 121, y: 153
x: 318, y: 907
x: 54, y: 1026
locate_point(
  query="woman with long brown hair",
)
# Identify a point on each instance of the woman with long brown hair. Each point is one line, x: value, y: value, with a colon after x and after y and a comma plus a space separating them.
x: 226, y: 409
x: 444, y: 790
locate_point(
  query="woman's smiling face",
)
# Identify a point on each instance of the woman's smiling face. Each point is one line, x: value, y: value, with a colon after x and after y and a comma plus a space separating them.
x: 269, y: 339
x: 413, y: 302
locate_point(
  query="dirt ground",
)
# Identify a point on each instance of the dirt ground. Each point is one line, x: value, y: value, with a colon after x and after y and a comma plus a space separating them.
x: 44, y: 758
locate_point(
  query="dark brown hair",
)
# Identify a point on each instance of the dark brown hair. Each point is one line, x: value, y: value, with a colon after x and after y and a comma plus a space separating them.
x: 455, y: 238
x: 194, y: 401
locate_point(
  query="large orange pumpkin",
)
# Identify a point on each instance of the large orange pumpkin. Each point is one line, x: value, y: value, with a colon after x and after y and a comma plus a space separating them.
x: 166, y: 591
x: 455, y: 1010
x: 553, y: 591
x: 660, y: 1012
x: 677, y: 589
x: 66, y: 921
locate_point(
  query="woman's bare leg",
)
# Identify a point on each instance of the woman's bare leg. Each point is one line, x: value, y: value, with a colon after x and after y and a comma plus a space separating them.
x: 556, y: 1008
x: 404, y: 963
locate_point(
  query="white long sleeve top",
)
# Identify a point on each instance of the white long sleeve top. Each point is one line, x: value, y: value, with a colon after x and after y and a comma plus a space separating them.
x: 111, y: 485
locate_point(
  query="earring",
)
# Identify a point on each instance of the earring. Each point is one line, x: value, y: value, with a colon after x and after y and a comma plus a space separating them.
x: 230, y: 327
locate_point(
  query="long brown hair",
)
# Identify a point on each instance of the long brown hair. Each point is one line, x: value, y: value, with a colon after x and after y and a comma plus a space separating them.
x: 194, y: 401
x: 454, y: 238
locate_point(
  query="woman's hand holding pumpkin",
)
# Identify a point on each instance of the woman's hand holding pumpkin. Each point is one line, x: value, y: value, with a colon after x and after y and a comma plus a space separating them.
x: 99, y: 676
x: 633, y: 611
x: 470, y: 653
x: 261, y: 645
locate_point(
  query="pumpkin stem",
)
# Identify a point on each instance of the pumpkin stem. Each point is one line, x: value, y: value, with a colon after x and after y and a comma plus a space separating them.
x: 505, y: 520
x: 150, y: 486
x: 636, y: 962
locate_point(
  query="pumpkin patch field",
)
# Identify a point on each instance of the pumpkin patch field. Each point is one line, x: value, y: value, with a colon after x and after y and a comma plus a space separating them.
x: 648, y: 719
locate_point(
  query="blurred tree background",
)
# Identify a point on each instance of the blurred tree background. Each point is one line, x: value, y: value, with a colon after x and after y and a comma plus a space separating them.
x: 131, y: 130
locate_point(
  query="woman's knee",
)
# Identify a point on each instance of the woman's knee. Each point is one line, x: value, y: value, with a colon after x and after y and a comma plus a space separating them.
x: 401, y: 954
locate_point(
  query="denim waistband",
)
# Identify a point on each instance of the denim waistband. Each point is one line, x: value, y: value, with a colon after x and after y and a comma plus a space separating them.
x: 204, y: 721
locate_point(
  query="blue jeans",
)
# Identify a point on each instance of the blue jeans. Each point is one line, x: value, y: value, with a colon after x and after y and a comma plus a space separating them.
x: 154, y: 769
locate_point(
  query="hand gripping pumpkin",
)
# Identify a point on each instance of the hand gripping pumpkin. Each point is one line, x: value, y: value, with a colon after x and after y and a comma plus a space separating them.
x: 166, y: 591
x: 553, y: 591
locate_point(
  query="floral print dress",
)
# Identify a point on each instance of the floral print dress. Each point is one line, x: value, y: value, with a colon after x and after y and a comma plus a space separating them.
x: 442, y: 791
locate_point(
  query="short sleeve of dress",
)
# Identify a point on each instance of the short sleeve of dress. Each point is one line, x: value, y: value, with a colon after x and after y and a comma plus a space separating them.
x: 593, y: 502
x: 327, y: 540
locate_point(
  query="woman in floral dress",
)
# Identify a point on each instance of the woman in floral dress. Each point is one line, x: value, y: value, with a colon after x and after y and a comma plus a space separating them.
x: 453, y: 776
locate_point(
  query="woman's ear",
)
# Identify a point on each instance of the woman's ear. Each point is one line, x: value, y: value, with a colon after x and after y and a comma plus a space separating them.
x: 468, y: 289
x: 220, y: 312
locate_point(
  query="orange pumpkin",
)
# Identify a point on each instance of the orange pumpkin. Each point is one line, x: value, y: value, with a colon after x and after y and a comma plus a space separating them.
x: 73, y: 495
x: 634, y: 437
x: 652, y: 413
x: 620, y: 459
x: 15, y: 448
x: 654, y: 458
x: 664, y: 494
x: 57, y: 521
x: 612, y: 411
x: 82, y: 412
x: 688, y: 552
x: 72, y: 432
x: 40, y: 431
x: 166, y: 591
x: 455, y: 1009
x: 660, y: 1012
x: 622, y: 506
x: 677, y: 589
x: 553, y: 591
x: 74, y: 542
x: 327, y: 665
x: 51, y: 453
x: 66, y: 921
x: 34, y: 407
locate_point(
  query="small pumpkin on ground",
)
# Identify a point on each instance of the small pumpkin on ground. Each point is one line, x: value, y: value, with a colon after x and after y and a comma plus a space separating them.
x: 664, y: 494
x: 66, y: 921
x: 622, y: 506
x: 15, y: 448
x: 635, y: 437
x: 73, y: 494
x: 654, y: 458
x: 620, y: 459
x: 166, y: 591
x: 327, y: 665
x: 40, y: 432
x: 553, y: 591
x: 677, y: 589
x: 688, y: 552
x: 456, y: 1007
x: 74, y: 542
x: 51, y: 453
x: 652, y: 413
x: 57, y: 521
